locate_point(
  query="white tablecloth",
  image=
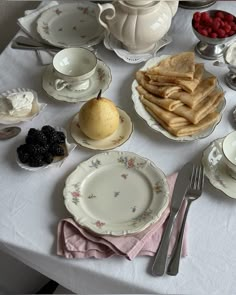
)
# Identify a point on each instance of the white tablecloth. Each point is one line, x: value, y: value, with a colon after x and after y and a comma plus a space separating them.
x: 32, y: 203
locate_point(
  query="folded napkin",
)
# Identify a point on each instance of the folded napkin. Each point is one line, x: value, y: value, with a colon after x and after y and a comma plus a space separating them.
x: 73, y: 241
x: 28, y: 22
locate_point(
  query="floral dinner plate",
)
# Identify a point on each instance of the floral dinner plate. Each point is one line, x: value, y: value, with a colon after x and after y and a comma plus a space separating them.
x: 101, y: 79
x: 141, y: 111
x: 70, y: 25
x: 119, y: 137
x: 116, y: 193
x: 216, y: 171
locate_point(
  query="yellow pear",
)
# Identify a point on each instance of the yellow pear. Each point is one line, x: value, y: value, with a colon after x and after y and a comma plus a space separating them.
x: 98, y: 118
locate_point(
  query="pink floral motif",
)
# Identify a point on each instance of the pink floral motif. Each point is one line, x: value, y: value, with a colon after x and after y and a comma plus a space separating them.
x: 75, y: 194
x: 58, y: 11
x: 130, y: 163
x: 99, y: 224
x: 124, y: 176
x: 122, y: 119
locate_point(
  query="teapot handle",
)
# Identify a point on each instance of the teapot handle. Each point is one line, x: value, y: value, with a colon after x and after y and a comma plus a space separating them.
x: 102, y: 8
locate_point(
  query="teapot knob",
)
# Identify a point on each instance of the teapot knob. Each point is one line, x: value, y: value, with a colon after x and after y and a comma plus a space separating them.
x: 108, y: 17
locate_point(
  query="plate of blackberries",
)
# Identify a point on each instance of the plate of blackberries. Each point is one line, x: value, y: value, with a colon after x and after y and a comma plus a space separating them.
x: 43, y: 147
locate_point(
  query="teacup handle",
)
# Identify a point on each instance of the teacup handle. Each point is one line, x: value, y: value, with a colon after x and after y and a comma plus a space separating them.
x: 60, y: 84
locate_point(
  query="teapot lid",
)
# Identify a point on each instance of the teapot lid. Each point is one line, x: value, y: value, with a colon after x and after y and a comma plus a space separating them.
x: 138, y: 2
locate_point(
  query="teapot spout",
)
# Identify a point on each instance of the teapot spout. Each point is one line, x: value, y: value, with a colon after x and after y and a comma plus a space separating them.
x: 104, y: 19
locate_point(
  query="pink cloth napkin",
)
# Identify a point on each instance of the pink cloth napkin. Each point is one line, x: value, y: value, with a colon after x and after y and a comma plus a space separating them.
x: 74, y: 241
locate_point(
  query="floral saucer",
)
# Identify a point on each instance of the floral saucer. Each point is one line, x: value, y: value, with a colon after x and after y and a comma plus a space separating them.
x: 70, y: 25
x: 100, y: 80
x: 116, y: 193
x: 216, y: 171
x: 111, y: 43
x: 120, y: 136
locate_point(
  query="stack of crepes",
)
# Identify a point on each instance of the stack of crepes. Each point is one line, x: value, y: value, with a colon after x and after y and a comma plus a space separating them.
x: 178, y: 96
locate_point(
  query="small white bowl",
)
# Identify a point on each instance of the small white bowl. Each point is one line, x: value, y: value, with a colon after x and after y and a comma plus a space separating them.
x: 56, y: 163
x: 9, y: 119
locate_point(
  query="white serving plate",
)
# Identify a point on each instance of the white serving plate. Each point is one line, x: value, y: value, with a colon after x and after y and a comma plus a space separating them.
x: 116, y: 193
x: 70, y: 25
x: 141, y: 111
x: 119, y: 137
x: 36, y: 107
x: 57, y: 162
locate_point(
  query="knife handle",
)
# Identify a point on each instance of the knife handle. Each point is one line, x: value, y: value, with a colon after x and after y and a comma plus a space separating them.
x: 158, y: 267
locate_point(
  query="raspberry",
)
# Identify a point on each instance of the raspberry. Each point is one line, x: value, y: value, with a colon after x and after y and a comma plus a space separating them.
x: 229, y: 17
x: 221, y: 33
x: 197, y: 16
x: 220, y: 14
x: 213, y: 35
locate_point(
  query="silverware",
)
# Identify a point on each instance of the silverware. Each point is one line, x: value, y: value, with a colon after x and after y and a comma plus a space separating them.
x: 193, y: 193
x: 9, y: 132
x: 29, y: 42
x: 180, y: 188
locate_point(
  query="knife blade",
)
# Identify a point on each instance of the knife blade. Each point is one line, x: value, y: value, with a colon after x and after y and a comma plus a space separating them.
x: 181, y: 185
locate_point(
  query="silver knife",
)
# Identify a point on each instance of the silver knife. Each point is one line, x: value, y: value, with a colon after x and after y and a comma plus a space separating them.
x: 180, y: 188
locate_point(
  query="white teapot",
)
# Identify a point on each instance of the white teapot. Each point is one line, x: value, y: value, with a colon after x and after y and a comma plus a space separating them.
x: 138, y: 24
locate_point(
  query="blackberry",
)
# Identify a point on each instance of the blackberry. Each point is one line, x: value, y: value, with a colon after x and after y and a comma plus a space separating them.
x: 56, y: 150
x: 32, y: 132
x: 22, y: 148
x: 47, y: 129
x: 36, y: 161
x: 40, y: 138
x: 52, y: 138
x: 23, y: 157
x: 61, y: 138
x: 30, y: 139
x: 48, y: 158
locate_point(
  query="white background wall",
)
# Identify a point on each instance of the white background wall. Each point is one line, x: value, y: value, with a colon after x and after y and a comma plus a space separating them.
x: 15, y: 277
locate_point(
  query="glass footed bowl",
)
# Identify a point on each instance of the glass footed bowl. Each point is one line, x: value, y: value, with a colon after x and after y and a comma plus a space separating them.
x: 211, y: 48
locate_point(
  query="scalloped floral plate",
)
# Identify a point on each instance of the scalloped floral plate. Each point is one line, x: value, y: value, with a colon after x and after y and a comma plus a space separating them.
x: 119, y: 137
x: 141, y: 111
x: 116, y: 193
x: 216, y: 171
x: 71, y: 25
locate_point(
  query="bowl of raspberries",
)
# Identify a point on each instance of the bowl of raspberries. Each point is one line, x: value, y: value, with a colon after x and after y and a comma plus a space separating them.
x: 43, y: 148
x: 214, y: 28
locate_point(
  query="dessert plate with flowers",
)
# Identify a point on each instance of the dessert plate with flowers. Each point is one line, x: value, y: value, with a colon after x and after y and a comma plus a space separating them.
x: 70, y: 25
x: 101, y: 79
x: 151, y: 122
x: 216, y: 171
x: 19, y: 105
x: 116, y: 193
x: 57, y: 160
x: 119, y: 137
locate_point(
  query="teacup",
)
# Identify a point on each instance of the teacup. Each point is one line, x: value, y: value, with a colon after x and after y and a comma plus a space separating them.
x: 229, y: 153
x: 73, y: 68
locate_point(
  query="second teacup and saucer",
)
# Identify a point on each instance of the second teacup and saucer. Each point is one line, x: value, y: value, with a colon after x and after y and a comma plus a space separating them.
x: 219, y: 160
x: 75, y: 75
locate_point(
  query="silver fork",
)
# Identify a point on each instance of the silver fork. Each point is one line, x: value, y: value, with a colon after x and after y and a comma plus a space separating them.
x: 193, y: 193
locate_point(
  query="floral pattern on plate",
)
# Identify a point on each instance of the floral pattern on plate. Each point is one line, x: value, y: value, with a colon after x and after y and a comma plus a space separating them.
x: 100, y: 80
x: 216, y: 170
x: 70, y: 24
x: 107, y: 203
x: 119, y: 137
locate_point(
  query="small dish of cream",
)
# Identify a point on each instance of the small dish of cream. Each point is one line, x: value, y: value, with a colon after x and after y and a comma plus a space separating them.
x: 230, y: 55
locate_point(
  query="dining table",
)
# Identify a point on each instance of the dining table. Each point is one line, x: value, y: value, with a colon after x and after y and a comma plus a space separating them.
x: 32, y: 203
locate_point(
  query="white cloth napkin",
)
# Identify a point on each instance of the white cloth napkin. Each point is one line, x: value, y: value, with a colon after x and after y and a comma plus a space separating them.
x: 28, y: 22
